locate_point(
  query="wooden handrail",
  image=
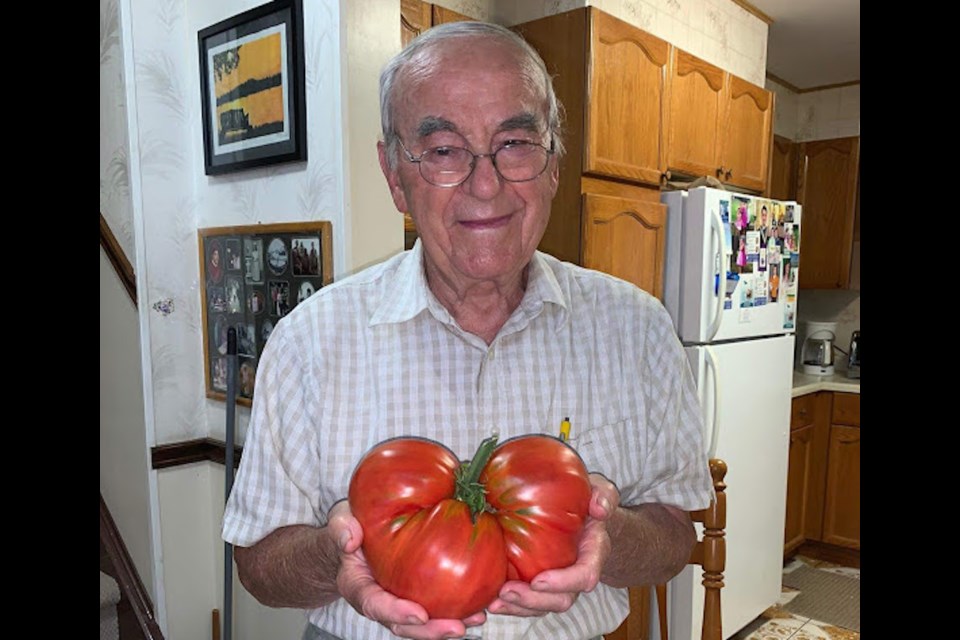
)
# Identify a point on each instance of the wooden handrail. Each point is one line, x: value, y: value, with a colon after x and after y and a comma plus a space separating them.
x: 118, y: 259
x: 131, y: 587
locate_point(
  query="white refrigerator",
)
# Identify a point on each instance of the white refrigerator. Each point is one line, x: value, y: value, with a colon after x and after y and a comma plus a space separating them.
x: 731, y: 288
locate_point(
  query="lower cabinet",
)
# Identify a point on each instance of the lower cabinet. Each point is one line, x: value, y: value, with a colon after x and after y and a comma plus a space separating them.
x: 823, y: 477
x: 841, y: 514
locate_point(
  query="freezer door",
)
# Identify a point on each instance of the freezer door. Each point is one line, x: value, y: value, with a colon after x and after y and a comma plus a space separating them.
x: 746, y: 386
x: 735, y: 267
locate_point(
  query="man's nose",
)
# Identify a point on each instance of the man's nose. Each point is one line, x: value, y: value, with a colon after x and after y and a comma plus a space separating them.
x: 484, y: 181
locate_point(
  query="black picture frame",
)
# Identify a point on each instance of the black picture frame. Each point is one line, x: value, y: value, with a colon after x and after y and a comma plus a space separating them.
x: 266, y: 123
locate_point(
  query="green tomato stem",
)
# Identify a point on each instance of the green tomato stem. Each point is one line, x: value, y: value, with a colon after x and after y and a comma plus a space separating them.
x: 469, y: 490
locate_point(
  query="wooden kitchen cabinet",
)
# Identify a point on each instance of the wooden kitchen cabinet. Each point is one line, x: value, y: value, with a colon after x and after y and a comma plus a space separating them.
x: 823, y: 476
x: 841, y: 518
x: 828, y: 189
x: 625, y: 237
x: 783, y: 169
x: 612, y: 80
x: 718, y: 124
x: 806, y: 474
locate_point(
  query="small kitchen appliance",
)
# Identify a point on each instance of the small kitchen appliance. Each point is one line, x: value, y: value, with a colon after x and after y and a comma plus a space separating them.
x: 816, y: 354
x: 853, y: 358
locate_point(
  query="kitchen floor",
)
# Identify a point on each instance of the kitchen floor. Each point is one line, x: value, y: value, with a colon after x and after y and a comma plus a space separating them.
x: 777, y: 623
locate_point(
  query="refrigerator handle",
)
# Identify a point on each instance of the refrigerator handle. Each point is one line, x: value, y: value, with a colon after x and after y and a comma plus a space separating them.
x: 716, y: 230
x: 715, y: 418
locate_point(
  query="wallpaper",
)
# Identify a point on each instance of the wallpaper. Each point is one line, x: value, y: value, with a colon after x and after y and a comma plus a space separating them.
x: 114, y: 168
x: 176, y: 198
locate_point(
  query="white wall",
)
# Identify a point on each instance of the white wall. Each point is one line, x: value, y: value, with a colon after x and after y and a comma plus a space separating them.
x: 718, y: 31
x: 115, y: 202
x: 816, y: 115
x: 124, y: 463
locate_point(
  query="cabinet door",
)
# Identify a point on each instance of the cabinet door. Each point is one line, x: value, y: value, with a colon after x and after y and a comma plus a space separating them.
x: 414, y: 19
x: 625, y: 238
x: 745, y: 142
x: 628, y: 83
x: 783, y: 171
x: 841, y: 519
x: 696, y: 100
x: 828, y: 191
x: 799, y: 474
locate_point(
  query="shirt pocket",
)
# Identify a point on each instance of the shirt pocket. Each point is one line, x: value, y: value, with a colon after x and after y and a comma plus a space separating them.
x: 617, y: 451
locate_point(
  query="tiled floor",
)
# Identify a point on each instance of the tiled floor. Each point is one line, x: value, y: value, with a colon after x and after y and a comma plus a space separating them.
x: 778, y: 624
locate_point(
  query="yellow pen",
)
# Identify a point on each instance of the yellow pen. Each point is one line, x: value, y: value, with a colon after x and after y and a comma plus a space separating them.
x: 565, y: 430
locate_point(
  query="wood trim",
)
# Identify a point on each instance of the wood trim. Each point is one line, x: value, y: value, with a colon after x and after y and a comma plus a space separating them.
x: 829, y: 553
x: 749, y: 8
x: 822, y: 87
x: 176, y: 454
x: 118, y: 259
x: 783, y: 82
x: 686, y: 63
x: 127, y: 577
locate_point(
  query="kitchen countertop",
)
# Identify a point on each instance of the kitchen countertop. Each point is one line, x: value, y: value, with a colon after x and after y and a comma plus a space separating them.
x: 804, y: 383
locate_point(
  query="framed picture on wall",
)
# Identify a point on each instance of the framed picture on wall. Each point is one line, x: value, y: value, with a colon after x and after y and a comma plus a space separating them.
x: 252, y: 88
x: 250, y: 278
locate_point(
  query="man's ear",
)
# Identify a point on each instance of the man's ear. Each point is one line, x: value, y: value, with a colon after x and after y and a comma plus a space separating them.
x: 393, y: 179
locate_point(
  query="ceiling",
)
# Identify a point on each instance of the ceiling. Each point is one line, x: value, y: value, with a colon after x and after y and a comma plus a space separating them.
x: 813, y: 43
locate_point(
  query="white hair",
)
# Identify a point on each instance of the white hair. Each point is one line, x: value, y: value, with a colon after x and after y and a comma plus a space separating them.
x: 529, y: 61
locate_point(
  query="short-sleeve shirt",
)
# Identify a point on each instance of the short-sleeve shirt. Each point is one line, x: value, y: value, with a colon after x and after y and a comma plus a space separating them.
x: 375, y: 356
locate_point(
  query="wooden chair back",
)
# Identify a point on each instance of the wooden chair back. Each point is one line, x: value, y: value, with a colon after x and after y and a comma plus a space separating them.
x: 709, y: 552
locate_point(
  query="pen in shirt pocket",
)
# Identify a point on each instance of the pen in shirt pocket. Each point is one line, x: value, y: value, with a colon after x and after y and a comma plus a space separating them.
x: 564, y: 430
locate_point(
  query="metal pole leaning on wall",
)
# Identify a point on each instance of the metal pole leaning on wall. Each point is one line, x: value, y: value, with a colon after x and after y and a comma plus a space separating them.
x: 228, y: 474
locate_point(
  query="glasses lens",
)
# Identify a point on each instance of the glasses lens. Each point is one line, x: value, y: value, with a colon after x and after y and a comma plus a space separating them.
x: 521, y: 161
x: 445, y: 166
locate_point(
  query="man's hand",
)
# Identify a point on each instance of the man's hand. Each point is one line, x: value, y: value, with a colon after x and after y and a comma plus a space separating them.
x: 356, y: 584
x: 556, y: 590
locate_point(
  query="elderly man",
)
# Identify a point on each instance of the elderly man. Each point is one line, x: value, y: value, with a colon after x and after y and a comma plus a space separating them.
x: 473, y: 329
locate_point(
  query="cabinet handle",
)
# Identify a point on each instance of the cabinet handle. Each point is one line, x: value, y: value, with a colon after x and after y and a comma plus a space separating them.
x: 729, y: 174
x: 719, y: 171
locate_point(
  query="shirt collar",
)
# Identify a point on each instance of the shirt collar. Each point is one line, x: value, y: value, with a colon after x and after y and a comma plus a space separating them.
x: 407, y: 294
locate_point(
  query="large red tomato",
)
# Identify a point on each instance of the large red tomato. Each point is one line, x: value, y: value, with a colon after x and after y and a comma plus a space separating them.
x: 448, y: 536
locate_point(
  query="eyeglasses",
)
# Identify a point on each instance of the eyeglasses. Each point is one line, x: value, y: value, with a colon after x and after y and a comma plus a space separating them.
x: 516, y: 161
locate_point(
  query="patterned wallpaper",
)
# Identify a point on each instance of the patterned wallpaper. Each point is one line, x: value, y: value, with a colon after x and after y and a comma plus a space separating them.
x: 174, y: 197
x: 115, y: 204
x: 718, y: 31
x: 816, y: 115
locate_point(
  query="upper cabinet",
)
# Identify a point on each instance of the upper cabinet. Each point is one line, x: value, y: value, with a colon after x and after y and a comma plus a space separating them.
x: 627, y: 88
x: 719, y: 125
x: 783, y: 169
x: 746, y: 135
x: 828, y: 188
x: 613, y: 81
x: 696, y: 116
